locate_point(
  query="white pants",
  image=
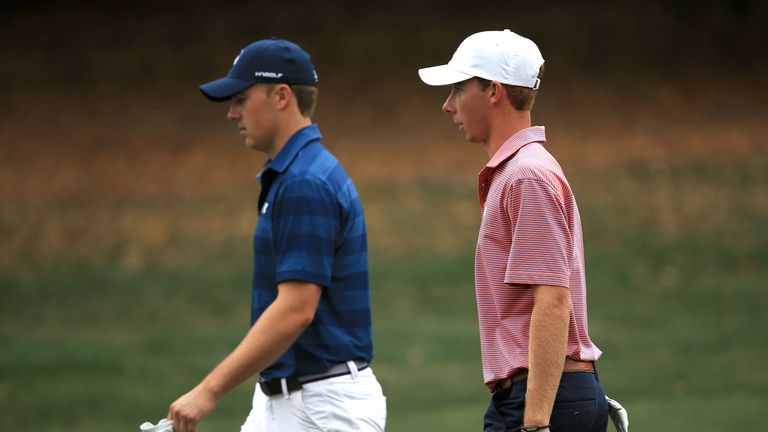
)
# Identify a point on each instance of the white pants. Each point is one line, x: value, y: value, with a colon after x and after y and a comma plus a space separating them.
x: 352, y: 402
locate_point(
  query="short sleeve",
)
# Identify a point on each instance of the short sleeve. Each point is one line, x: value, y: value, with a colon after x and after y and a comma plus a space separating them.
x: 305, y: 225
x: 541, y: 239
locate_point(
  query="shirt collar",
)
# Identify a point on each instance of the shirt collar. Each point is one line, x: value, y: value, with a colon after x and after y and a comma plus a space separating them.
x: 293, y: 147
x: 515, y: 143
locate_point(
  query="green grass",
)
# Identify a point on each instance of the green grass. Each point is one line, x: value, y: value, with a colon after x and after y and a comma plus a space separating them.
x: 98, y: 340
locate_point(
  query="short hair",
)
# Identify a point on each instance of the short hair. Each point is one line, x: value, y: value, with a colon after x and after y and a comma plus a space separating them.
x: 521, y: 98
x: 306, y: 97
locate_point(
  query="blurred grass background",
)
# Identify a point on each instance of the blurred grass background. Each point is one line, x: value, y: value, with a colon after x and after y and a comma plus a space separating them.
x: 127, y: 202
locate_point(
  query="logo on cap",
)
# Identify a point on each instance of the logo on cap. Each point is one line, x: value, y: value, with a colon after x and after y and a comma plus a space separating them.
x: 268, y: 74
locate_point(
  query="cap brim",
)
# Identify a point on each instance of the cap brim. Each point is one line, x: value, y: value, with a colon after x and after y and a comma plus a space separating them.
x: 224, y: 88
x: 442, y: 75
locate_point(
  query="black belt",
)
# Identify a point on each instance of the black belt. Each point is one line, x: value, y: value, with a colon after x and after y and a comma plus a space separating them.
x: 275, y: 387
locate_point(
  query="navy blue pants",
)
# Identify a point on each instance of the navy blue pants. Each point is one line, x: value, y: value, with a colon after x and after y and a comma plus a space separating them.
x: 580, y: 406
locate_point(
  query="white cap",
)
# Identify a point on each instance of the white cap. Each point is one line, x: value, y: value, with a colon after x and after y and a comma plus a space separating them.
x: 502, y: 56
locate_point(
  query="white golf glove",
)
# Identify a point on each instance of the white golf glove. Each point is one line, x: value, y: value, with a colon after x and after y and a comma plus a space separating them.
x: 618, y: 414
x: 164, y: 425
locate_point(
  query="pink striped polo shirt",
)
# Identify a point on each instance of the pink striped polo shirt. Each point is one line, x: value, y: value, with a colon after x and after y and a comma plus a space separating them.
x: 530, y: 235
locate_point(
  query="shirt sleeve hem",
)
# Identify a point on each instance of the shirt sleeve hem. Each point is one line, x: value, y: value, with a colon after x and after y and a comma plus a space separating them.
x: 303, y: 275
x: 538, y: 279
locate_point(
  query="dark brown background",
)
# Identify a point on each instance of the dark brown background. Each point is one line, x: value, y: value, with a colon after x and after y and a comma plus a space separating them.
x: 148, y: 57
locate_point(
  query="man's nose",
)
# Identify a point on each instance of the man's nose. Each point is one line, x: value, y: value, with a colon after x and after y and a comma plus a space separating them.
x: 448, y: 106
x: 232, y: 113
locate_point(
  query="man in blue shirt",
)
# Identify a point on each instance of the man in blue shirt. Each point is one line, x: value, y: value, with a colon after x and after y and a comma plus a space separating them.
x: 310, y: 337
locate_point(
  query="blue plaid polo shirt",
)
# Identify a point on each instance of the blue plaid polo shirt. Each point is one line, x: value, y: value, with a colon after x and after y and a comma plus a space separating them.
x: 311, y: 228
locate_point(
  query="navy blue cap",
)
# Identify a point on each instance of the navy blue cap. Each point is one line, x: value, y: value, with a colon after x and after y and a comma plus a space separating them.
x: 265, y: 61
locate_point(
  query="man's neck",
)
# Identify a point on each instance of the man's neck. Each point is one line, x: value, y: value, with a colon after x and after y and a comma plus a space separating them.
x: 287, y: 132
x: 504, y: 127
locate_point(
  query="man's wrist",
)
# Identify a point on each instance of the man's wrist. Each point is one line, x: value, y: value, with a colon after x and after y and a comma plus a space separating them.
x: 535, y: 428
x: 211, y: 388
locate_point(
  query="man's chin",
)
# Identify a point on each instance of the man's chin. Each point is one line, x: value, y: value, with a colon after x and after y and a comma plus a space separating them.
x: 253, y: 145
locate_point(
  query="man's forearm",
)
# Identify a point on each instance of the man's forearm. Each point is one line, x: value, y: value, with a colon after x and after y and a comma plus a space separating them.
x: 265, y: 342
x: 547, y: 350
x: 271, y: 336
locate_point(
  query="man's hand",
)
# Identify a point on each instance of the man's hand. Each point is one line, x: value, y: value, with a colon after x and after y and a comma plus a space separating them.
x: 272, y: 334
x: 191, y: 408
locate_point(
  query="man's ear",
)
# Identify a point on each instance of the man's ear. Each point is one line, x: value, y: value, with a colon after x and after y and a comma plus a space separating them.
x: 282, y: 94
x: 498, y: 92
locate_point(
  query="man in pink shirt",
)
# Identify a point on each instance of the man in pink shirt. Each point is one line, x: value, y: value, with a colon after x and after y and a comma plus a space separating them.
x: 538, y: 359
